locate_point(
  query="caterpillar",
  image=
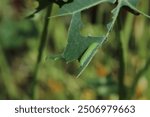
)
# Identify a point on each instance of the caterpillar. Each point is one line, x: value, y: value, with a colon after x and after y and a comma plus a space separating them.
x: 87, y: 53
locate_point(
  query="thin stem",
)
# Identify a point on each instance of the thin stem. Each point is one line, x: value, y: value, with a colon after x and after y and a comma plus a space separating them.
x: 121, y: 72
x: 40, y: 50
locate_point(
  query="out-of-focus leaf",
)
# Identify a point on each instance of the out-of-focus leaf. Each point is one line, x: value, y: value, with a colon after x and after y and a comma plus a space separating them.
x: 45, y: 3
x: 14, y: 33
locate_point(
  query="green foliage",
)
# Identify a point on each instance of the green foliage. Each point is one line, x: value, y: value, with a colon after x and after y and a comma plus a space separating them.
x: 10, y: 39
x: 77, y: 44
x: 74, y: 6
x: 105, y: 78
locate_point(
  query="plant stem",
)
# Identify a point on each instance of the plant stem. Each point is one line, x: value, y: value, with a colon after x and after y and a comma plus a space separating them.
x: 40, y: 51
x: 121, y: 72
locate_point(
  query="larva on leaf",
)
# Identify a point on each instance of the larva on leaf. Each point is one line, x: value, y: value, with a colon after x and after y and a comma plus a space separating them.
x: 87, y: 53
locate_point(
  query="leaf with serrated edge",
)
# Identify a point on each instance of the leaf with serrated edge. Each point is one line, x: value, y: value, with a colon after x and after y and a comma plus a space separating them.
x: 115, y: 13
x: 78, y: 45
x: 80, y: 5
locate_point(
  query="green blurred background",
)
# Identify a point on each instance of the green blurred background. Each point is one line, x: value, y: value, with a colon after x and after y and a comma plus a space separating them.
x: 20, y: 38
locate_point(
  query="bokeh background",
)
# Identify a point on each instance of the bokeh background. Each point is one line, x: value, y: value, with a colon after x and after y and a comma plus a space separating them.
x: 20, y: 39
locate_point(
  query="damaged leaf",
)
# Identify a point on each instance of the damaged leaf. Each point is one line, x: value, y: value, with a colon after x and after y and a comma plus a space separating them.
x: 83, y: 48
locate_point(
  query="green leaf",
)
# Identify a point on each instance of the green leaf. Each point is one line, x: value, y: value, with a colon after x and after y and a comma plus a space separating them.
x: 78, y: 45
x: 84, y: 48
x: 80, y: 5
